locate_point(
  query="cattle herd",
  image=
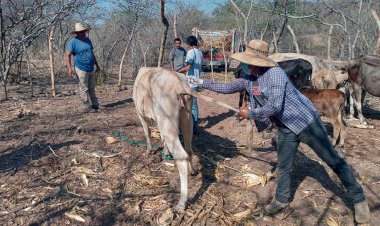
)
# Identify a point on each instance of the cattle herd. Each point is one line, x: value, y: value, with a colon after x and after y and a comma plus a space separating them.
x: 164, y: 97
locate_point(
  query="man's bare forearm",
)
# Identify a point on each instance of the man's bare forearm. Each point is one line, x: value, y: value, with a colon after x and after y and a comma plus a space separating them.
x: 68, y: 60
x: 185, y: 69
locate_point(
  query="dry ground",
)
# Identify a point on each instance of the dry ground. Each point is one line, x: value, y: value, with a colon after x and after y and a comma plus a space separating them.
x: 55, y: 166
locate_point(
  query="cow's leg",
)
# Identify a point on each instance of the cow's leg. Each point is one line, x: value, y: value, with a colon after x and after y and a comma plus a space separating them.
x: 357, y: 101
x: 144, y: 123
x: 249, y: 129
x: 168, y: 127
x: 186, y: 126
x: 342, y: 128
x: 350, y: 102
x: 182, y: 161
x: 336, y: 129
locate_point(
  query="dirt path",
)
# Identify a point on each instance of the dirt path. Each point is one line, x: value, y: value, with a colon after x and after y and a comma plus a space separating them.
x: 55, y: 165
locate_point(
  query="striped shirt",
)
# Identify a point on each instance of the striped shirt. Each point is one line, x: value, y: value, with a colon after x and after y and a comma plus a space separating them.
x: 284, y: 101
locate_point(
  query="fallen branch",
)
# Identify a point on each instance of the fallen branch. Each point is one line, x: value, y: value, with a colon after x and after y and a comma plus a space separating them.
x: 51, y: 149
x: 229, y: 167
x: 102, y: 156
x: 192, y: 219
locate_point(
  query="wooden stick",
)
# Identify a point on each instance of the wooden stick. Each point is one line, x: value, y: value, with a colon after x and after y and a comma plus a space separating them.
x: 212, y: 100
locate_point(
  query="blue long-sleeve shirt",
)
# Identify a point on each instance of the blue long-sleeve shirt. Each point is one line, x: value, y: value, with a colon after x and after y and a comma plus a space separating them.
x: 284, y: 101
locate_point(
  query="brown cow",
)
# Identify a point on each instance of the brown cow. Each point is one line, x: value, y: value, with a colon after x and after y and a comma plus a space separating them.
x: 327, y: 79
x: 165, y: 97
x: 330, y: 103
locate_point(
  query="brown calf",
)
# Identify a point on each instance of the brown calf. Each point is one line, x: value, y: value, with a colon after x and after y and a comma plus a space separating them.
x: 330, y: 103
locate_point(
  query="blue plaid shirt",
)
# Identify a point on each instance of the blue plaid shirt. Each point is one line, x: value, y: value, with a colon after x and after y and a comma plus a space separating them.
x: 284, y: 101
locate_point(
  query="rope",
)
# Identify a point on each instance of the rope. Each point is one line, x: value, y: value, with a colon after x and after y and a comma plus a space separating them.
x: 121, y: 137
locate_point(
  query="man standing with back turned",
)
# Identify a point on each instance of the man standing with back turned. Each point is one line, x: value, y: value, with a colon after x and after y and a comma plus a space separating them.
x: 193, y: 68
x: 84, y: 60
x: 274, y: 99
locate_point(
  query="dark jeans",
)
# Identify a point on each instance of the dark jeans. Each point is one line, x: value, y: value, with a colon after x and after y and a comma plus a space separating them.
x: 315, y: 136
x: 195, y: 111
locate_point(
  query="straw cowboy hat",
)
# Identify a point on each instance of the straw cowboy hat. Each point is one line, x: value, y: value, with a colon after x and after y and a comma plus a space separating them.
x: 80, y: 27
x: 256, y: 53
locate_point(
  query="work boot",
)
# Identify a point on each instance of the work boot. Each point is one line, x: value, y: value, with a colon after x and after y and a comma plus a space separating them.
x: 90, y: 109
x: 274, y: 207
x: 362, y: 214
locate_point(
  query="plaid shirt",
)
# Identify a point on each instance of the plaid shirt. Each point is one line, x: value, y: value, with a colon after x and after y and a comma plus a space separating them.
x: 284, y: 101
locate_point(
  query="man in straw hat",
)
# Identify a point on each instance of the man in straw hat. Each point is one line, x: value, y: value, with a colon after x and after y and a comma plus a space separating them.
x: 274, y: 99
x: 84, y: 60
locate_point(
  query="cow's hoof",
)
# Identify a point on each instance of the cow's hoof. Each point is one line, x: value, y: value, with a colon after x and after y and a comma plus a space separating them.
x: 179, y: 207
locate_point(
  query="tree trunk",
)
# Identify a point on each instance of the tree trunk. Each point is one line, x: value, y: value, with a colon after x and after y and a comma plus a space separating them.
x: 51, y: 59
x: 341, y: 52
x: 143, y: 51
x: 126, y: 51
x: 329, y: 46
x: 175, y: 26
x: 273, y: 47
x: 294, y: 39
x: 122, y: 59
x: 5, y: 77
x: 165, y: 33
x: 29, y: 72
x: 376, y: 50
x: 2, y: 36
x: 245, y: 17
x: 280, y: 29
x: 245, y: 30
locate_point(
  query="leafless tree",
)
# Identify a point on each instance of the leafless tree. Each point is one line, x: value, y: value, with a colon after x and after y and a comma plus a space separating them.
x: 24, y: 22
x: 376, y: 50
x: 245, y: 17
x: 165, y: 22
x: 294, y: 38
x: 127, y: 47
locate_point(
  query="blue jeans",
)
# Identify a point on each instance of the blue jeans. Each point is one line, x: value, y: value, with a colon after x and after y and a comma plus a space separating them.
x: 194, y: 111
x: 315, y: 136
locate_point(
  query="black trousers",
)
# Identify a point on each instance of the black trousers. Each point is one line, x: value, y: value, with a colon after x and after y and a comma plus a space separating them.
x: 315, y: 136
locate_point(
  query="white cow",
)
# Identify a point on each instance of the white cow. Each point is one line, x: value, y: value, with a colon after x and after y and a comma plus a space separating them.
x: 164, y: 96
x: 157, y: 96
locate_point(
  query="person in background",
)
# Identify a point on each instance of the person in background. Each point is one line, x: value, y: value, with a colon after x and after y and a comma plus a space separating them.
x: 177, y: 56
x: 80, y: 47
x: 193, y: 67
x: 275, y: 100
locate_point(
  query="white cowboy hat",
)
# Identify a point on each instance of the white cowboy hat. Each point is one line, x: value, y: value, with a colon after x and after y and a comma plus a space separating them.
x: 256, y: 53
x: 80, y: 27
